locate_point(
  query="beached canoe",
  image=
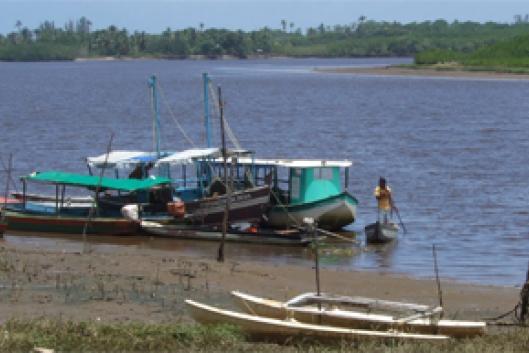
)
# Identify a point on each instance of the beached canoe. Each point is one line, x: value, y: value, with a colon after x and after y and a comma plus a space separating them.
x: 380, y: 233
x: 357, y: 319
x: 269, y: 328
x: 260, y: 236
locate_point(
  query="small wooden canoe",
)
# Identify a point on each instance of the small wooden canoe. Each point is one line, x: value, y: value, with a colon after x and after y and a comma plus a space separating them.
x: 268, y: 237
x: 358, y: 319
x: 264, y: 327
x: 380, y: 233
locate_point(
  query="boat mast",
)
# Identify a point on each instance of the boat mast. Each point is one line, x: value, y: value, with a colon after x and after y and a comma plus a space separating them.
x: 156, y: 113
x: 205, y: 80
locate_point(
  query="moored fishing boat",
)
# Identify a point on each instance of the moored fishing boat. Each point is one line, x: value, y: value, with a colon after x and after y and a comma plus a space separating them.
x: 103, y: 216
x: 325, y: 310
x: 265, y: 327
x: 302, y: 189
x: 380, y: 233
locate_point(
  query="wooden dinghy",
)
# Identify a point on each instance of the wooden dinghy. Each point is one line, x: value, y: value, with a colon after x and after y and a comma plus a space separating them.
x: 236, y: 235
x: 265, y: 327
x: 420, y: 322
x: 380, y: 233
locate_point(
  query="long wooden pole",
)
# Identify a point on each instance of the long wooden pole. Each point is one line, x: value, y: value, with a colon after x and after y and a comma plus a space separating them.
x: 98, y: 189
x: 6, y: 193
x: 315, y: 244
x: 220, y: 257
x: 436, y: 269
x: 205, y: 79
x: 10, y: 174
x: 8, y: 179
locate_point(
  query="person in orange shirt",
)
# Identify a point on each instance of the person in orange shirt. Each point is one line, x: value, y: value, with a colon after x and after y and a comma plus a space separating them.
x: 383, y: 196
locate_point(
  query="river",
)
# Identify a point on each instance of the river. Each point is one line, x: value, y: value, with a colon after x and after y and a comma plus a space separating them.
x: 453, y: 150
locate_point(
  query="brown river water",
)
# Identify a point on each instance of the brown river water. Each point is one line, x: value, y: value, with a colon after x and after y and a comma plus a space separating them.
x: 454, y: 150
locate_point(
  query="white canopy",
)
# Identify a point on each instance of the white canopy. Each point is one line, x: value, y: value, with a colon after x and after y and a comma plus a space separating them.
x: 295, y: 163
x: 187, y: 156
x: 121, y: 158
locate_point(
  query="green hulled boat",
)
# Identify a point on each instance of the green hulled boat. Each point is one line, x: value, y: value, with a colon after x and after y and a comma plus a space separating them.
x: 110, y: 194
x: 301, y: 189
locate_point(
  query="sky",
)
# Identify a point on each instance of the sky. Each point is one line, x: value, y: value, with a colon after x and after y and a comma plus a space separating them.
x: 154, y: 16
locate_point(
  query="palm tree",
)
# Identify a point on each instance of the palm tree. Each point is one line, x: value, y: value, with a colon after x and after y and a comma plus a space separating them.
x: 284, y: 25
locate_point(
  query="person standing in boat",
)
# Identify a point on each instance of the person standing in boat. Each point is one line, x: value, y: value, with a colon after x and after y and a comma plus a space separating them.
x: 385, y: 202
x: 141, y: 171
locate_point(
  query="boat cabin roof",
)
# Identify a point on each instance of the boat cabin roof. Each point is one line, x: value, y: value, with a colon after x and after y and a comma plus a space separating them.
x: 122, y: 159
x: 90, y: 181
x: 188, y: 156
x: 295, y: 163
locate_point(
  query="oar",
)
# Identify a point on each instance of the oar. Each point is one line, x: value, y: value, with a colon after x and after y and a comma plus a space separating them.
x: 400, y: 219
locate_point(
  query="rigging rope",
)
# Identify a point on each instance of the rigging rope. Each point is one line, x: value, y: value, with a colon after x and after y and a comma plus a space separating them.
x: 162, y: 94
x: 520, y: 310
x: 227, y: 128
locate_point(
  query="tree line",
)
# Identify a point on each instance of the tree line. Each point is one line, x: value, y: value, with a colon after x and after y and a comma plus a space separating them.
x: 362, y: 37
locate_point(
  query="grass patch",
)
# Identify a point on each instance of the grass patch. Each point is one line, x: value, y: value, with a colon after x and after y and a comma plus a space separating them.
x: 68, y: 336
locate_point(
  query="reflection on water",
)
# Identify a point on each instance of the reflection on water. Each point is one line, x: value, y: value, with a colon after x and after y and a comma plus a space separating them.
x: 454, y: 151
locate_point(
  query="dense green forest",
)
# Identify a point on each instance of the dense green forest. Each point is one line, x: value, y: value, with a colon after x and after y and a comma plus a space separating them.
x: 77, y: 39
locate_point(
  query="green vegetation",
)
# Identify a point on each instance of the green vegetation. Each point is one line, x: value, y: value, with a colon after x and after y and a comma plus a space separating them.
x: 507, y: 56
x: 67, y: 336
x: 361, y: 38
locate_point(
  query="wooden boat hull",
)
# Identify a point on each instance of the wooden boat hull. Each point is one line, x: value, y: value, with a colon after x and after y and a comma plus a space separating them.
x: 271, y: 237
x: 380, y: 233
x: 355, y: 319
x: 21, y: 221
x: 19, y: 197
x: 247, y: 205
x: 263, y: 327
x: 332, y: 213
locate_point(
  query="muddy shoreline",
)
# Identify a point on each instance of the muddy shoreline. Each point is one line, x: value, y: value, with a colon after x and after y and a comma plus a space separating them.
x: 151, y: 285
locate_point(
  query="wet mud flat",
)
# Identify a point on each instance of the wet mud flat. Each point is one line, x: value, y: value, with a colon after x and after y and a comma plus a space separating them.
x: 150, y: 286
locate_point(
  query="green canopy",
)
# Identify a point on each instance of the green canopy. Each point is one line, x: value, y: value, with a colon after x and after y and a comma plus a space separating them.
x: 91, y: 181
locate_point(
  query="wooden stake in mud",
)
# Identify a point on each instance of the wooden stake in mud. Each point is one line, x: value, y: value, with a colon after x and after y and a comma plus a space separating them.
x: 220, y: 257
x: 436, y: 269
x: 524, y: 299
x: 96, y: 197
x: 313, y: 229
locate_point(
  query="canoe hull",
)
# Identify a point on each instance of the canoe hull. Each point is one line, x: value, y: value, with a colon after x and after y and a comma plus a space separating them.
x: 332, y: 213
x: 355, y: 320
x: 263, y: 327
x: 189, y: 232
x: 21, y: 221
x: 380, y: 233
